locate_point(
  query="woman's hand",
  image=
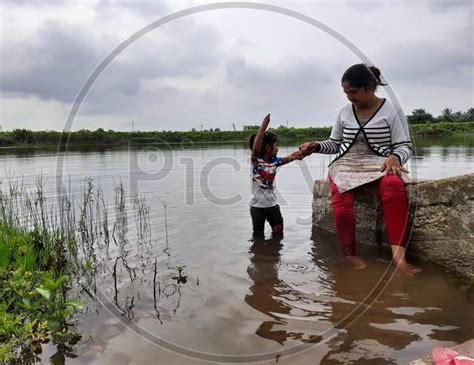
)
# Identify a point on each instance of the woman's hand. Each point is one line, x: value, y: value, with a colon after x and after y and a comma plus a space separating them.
x: 392, y: 166
x: 308, y: 147
x: 298, y: 155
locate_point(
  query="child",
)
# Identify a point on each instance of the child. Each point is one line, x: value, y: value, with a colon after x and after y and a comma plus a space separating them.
x: 263, y: 203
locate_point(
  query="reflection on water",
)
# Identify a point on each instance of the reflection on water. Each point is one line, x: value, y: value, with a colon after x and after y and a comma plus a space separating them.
x: 264, y: 273
x: 241, y: 298
x: 369, y: 316
x: 271, y: 295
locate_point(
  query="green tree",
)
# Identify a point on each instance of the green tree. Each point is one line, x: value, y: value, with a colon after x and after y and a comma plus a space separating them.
x: 457, y: 116
x: 468, y: 116
x: 419, y: 116
x: 447, y: 114
x: 251, y: 127
x: 23, y: 135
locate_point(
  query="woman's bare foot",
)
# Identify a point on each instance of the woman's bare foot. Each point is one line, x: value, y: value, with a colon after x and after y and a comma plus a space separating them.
x: 401, y: 262
x: 406, y: 268
x: 356, y: 262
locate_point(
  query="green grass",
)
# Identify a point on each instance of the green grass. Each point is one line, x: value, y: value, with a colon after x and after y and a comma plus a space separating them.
x: 36, y: 265
x: 16, y: 250
x: 48, y: 251
x: 442, y: 129
x: 34, y: 307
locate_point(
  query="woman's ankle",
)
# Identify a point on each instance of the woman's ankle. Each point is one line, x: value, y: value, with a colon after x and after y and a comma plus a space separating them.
x: 398, y: 253
x: 356, y: 262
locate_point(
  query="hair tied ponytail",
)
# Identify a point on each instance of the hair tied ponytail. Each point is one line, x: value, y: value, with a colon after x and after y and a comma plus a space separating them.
x: 363, y: 75
x: 376, y: 72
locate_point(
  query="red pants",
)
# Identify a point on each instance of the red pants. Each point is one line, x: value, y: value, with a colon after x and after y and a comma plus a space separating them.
x: 391, y: 191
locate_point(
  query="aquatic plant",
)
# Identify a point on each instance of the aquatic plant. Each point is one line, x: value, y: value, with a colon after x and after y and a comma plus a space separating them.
x: 44, y: 251
x: 34, y: 307
x: 180, y: 278
x: 49, y: 250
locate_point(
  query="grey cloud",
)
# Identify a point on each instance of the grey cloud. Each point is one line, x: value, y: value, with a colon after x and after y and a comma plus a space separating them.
x: 36, y: 4
x: 299, y: 77
x: 63, y: 60
x: 146, y: 8
x: 441, y: 6
x: 295, y: 90
x: 97, y: 103
x: 246, y: 92
x: 447, y: 62
x: 67, y: 55
x: 193, y: 53
x: 367, y: 5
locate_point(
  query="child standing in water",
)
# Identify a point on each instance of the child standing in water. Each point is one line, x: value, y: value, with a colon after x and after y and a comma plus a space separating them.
x: 263, y: 203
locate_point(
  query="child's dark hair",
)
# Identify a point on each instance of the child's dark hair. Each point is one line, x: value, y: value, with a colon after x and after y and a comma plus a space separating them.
x: 269, y: 138
x: 361, y: 75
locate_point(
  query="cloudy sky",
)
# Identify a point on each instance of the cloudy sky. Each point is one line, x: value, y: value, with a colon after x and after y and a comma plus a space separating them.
x: 224, y: 66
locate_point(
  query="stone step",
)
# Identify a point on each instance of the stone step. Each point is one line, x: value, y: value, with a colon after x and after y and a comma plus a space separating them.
x: 441, y: 220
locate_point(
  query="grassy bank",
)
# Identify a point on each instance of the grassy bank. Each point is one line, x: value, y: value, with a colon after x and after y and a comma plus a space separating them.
x: 33, y: 286
x: 50, y: 254
x: 43, y: 253
x: 38, y: 261
x: 442, y: 129
x: 26, y: 138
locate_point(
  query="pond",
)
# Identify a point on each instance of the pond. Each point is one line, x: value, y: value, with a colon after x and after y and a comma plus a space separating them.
x: 198, y: 289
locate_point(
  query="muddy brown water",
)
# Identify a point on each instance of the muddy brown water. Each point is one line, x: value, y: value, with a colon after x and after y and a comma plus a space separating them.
x: 289, y: 301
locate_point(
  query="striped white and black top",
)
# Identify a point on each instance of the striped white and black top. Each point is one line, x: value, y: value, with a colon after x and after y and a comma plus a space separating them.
x: 386, y: 133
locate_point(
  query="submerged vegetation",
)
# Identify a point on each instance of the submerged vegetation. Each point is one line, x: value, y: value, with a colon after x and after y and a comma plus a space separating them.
x: 36, y: 264
x: 51, y: 252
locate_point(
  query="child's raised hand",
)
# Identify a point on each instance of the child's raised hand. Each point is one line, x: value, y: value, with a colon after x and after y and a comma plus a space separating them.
x: 266, y: 121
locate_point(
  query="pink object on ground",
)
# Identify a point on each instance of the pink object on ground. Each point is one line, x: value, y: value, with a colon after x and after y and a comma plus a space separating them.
x: 446, y: 356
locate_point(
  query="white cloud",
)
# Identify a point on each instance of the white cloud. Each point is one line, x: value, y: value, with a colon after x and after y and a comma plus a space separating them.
x: 33, y: 112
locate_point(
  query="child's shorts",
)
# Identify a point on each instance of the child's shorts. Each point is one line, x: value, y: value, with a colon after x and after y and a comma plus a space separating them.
x: 260, y: 215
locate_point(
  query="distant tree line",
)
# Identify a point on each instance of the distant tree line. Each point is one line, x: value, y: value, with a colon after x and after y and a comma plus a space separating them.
x: 22, y: 137
x: 421, y: 123
x: 420, y: 116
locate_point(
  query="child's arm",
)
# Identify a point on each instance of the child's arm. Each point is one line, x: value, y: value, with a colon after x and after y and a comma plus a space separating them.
x: 257, y: 143
x: 304, y: 150
x: 296, y: 155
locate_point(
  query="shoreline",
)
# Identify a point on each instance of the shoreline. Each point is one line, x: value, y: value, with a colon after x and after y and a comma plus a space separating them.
x: 23, y: 138
x: 417, y: 137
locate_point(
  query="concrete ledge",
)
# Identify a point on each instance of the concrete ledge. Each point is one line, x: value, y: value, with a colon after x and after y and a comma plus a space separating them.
x: 441, y: 220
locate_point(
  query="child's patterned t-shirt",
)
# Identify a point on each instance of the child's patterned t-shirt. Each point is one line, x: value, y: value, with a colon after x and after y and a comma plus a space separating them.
x: 263, y: 182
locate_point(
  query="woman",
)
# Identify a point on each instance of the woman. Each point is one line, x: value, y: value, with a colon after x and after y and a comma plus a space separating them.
x: 371, y: 142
